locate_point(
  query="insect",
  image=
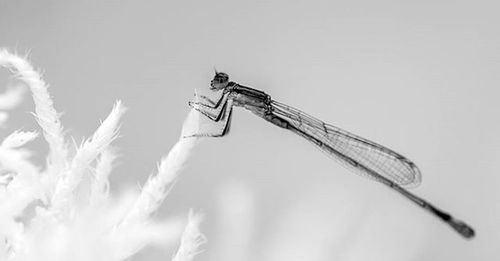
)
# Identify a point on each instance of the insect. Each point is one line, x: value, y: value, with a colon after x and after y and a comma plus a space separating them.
x: 363, y: 156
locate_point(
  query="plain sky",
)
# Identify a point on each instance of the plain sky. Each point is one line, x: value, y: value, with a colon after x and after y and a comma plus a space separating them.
x: 421, y: 77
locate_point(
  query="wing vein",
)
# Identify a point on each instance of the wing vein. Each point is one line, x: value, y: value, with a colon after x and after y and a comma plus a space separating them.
x: 373, y: 156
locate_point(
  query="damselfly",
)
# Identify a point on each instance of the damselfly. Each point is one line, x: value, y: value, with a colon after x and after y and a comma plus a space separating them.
x: 363, y: 156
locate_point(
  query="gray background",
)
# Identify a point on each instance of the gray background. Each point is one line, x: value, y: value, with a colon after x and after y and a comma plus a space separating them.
x: 418, y: 76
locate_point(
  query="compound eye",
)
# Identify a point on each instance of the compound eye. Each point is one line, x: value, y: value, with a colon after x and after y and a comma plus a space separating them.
x: 221, y: 78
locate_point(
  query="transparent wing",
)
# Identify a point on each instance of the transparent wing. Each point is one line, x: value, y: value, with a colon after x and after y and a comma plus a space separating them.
x: 372, y: 156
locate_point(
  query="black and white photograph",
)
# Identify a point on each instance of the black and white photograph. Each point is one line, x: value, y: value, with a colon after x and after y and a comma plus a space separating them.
x: 249, y: 130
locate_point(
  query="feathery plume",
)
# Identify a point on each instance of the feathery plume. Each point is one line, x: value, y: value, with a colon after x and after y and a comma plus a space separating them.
x: 99, y: 189
x: 46, y: 115
x: 191, y: 238
x: 156, y: 187
x: 107, y: 227
x: 85, y: 155
x: 18, y: 139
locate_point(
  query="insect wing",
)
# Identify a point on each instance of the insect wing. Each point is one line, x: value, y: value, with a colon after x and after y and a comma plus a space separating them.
x: 359, y: 154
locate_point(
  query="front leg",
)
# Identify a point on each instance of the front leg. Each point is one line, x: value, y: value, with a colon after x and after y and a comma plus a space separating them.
x: 208, y: 100
x: 224, y: 118
x: 212, y: 104
x: 213, y: 114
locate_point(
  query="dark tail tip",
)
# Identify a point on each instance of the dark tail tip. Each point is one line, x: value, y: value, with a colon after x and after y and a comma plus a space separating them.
x: 462, y: 228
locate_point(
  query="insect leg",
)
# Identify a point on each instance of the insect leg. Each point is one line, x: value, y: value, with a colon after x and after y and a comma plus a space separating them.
x: 208, y: 112
x: 213, y: 113
x: 224, y: 118
x: 208, y: 100
x: 212, y: 105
